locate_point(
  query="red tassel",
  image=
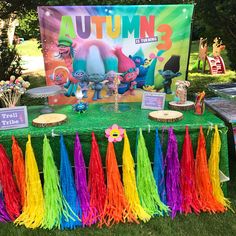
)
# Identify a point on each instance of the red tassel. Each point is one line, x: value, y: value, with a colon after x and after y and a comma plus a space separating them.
x: 116, y: 207
x: 9, y: 188
x: 203, y: 182
x: 96, y: 182
x: 190, y: 199
x: 19, y: 169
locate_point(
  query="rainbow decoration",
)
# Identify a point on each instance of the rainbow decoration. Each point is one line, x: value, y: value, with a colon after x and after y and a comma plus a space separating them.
x: 175, y: 185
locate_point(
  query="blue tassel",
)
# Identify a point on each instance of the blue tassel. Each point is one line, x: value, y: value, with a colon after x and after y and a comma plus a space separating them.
x: 70, y: 221
x: 159, y: 169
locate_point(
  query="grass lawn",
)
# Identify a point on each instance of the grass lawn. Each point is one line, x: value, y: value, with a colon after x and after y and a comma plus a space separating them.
x: 29, y: 48
x: 203, y: 224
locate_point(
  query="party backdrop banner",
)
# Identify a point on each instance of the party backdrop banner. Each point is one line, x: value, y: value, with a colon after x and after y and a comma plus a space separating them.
x: 92, y: 50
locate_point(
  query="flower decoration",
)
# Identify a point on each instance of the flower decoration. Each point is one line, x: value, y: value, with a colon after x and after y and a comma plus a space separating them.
x: 12, y: 89
x: 114, y: 133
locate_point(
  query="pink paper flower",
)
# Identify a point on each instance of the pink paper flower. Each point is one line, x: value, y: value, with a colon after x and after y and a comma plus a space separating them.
x: 114, y: 133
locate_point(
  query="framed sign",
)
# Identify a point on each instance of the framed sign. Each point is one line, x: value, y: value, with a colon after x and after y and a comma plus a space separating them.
x: 13, y: 118
x: 153, y: 101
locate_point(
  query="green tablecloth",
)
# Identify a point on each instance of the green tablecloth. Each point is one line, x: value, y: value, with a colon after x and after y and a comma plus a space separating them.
x: 97, y: 120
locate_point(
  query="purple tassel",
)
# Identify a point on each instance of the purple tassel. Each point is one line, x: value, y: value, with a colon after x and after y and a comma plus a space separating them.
x: 173, y: 175
x: 3, y: 214
x: 81, y: 182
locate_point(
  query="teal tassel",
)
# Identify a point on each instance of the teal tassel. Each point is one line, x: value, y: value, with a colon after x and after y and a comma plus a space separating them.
x: 159, y: 169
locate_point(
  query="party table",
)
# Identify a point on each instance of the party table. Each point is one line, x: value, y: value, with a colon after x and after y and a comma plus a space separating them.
x: 97, y: 120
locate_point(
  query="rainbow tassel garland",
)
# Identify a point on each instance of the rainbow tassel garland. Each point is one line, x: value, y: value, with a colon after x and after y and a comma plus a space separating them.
x: 19, y: 169
x: 203, y: 182
x: 129, y: 181
x: 68, y: 191
x: 173, y: 175
x: 189, y: 186
x: 189, y: 195
x: 33, y: 209
x: 116, y: 207
x: 96, y: 182
x: 159, y: 169
x: 52, y: 191
x: 81, y: 183
x: 146, y: 184
x: 213, y: 165
x: 10, y: 192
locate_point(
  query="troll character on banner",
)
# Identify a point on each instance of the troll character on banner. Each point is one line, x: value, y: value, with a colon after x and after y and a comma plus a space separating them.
x: 128, y: 70
x: 143, y: 65
x: 170, y: 71
x: 93, y: 61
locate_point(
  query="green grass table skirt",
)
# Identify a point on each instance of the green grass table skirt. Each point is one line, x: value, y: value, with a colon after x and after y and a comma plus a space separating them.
x: 97, y: 120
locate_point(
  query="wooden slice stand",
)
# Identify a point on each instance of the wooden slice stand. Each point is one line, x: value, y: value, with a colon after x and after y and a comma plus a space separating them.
x: 165, y: 115
x: 188, y: 105
x: 47, y: 120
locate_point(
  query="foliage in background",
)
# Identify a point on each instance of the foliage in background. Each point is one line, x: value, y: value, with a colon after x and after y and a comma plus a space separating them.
x: 9, y: 58
x: 28, y: 25
x: 211, y: 18
x: 218, y: 18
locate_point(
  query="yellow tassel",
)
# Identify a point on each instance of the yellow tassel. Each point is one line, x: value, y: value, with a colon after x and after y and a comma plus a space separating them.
x: 33, y: 210
x: 213, y: 165
x: 129, y: 181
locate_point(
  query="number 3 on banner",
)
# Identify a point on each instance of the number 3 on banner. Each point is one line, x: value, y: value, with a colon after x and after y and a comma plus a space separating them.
x: 166, y: 37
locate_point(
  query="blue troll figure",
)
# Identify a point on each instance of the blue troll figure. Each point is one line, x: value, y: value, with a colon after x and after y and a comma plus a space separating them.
x: 170, y: 71
x: 83, y: 81
x: 80, y: 107
x: 97, y: 84
x: 140, y: 64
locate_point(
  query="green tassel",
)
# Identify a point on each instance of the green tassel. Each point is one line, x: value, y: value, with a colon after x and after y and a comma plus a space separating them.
x: 147, y: 189
x: 52, y: 191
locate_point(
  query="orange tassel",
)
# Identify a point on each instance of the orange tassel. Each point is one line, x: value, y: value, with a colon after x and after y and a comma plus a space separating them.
x: 203, y: 182
x: 116, y: 207
x: 19, y: 169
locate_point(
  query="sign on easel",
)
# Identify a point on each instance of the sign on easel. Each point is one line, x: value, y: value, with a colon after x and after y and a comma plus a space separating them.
x: 153, y: 101
x: 13, y: 118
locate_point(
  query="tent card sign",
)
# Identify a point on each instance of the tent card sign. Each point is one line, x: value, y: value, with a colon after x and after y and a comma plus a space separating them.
x: 153, y: 101
x: 88, y: 47
x: 13, y: 118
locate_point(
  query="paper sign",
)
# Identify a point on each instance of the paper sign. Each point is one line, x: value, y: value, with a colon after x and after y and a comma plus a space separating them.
x: 153, y: 101
x: 13, y: 118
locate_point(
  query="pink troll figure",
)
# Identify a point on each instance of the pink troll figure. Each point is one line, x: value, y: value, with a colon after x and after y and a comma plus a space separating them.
x: 127, y: 67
